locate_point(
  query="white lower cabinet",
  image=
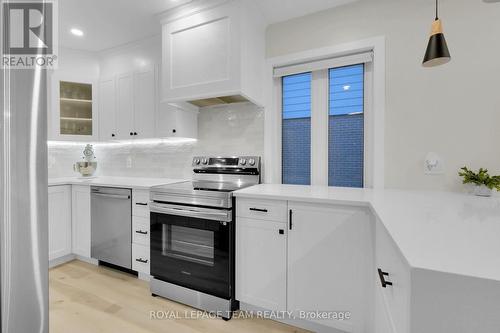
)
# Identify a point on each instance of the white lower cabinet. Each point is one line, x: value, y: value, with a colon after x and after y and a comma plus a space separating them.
x: 261, y: 252
x: 329, y: 263
x: 394, y: 297
x: 140, y: 258
x: 319, y: 258
x: 140, y: 231
x: 59, y: 221
x: 80, y: 199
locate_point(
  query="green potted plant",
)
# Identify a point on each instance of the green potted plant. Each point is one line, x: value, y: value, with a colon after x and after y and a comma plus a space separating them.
x: 483, y: 183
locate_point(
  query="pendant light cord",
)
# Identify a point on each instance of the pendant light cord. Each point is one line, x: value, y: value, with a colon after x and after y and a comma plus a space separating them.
x: 437, y: 18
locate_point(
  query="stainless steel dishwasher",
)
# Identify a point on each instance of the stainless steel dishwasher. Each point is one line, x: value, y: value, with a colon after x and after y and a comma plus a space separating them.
x: 111, y: 227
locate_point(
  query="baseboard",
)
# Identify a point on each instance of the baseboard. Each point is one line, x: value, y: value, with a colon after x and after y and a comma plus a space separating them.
x: 61, y: 260
x: 92, y: 261
x: 144, y: 276
x: 300, y: 323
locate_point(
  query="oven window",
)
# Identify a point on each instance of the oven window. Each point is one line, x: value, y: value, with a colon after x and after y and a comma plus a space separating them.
x: 194, y: 245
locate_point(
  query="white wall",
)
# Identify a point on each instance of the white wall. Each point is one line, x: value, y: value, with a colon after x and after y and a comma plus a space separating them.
x: 453, y: 110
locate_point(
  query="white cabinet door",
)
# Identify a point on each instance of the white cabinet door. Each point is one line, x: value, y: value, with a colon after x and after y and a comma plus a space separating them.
x: 175, y: 122
x: 261, y: 263
x: 330, y: 263
x: 201, y: 54
x: 73, y: 108
x: 396, y: 297
x: 145, y: 105
x: 125, y: 106
x: 81, y: 220
x: 59, y: 221
x: 107, y: 107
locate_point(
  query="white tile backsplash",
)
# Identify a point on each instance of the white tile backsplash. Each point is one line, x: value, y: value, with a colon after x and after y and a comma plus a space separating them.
x: 225, y: 130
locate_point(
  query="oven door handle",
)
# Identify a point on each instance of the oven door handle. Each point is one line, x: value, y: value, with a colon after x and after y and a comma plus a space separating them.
x: 209, y: 215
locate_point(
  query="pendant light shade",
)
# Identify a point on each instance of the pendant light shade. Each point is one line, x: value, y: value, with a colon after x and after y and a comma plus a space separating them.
x: 437, y: 52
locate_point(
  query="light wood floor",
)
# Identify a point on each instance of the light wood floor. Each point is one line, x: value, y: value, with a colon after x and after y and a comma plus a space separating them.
x: 88, y: 299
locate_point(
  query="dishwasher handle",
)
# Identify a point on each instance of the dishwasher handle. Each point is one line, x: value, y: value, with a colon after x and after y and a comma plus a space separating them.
x: 112, y: 196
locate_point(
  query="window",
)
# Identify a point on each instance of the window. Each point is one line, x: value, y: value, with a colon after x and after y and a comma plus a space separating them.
x: 323, y: 122
x: 346, y: 126
x: 296, y: 129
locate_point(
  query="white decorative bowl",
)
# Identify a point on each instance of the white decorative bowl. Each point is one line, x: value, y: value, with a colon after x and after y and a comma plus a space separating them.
x: 86, y: 169
x: 482, y: 191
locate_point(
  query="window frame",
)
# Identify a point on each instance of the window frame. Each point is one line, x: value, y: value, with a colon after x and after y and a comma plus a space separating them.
x: 374, y: 109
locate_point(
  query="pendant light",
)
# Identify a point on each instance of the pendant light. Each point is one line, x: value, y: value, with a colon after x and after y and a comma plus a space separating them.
x: 437, y: 51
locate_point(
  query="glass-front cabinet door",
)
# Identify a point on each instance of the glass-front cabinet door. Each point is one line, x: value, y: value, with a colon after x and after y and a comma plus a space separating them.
x: 75, y: 108
x: 74, y: 112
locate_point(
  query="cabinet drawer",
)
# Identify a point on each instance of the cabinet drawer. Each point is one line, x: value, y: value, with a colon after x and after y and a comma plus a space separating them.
x: 140, y: 258
x: 140, y: 230
x: 140, y: 203
x: 272, y: 210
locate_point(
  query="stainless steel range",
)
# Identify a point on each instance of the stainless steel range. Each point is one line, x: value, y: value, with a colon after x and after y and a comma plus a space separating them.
x: 192, y: 233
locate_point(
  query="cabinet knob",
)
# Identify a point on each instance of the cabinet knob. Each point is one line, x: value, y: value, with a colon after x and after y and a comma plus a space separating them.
x: 112, y: 134
x: 174, y: 130
x: 135, y: 133
x: 382, y: 275
x: 281, y: 232
x: 131, y: 133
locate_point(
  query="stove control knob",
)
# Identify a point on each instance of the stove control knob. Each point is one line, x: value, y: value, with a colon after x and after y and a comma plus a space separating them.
x: 196, y: 161
x: 243, y: 161
x: 251, y: 162
x: 204, y: 161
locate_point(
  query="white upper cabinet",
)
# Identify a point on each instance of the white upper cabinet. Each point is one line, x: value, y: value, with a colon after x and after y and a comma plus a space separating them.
x: 107, y: 105
x: 144, y: 104
x: 128, y: 103
x: 176, y: 122
x: 125, y: 106
x: 214, y: 53
x: 73, y: 105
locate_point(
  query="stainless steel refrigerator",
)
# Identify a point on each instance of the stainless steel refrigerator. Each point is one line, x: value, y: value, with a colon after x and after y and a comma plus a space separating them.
x: 23, y: 202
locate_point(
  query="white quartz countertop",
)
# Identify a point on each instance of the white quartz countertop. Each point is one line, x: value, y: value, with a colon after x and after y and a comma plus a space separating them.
x: 127, y: 182
x: 441, y: 231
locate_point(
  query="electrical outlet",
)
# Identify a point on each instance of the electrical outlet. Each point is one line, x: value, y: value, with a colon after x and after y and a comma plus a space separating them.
x: 433, y: 164
x: 129, y: 162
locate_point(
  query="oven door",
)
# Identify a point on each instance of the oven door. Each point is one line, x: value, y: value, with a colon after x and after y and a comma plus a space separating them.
x: 192, y: 247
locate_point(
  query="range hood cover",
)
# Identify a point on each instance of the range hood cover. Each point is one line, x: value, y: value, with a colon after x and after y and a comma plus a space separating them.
x: 218, y: 101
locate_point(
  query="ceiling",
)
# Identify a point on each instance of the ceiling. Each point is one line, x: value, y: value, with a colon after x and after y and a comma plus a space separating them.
x: 282, y: 10
x: 109, y: 23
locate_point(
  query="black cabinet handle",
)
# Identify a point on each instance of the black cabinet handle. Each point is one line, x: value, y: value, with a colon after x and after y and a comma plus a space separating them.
x: 131, y: 133
x: 141, y: 232
x: 135, y: 133
x: 113, y: 134
x: 382, y: 275
x: 141, y: 203
x: 144, y: 261
x: 258, y: 210
x: 290, y: 219
x: 281, y: 232
x: 174, y: 130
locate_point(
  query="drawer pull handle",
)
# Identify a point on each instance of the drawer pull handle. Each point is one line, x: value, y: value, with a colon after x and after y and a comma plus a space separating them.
x: 141, y: 203
x: 258, y: 210
x: 382, y: 276
x: 281, y: 231
x: 144, y: 261
x: 141, y: 232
